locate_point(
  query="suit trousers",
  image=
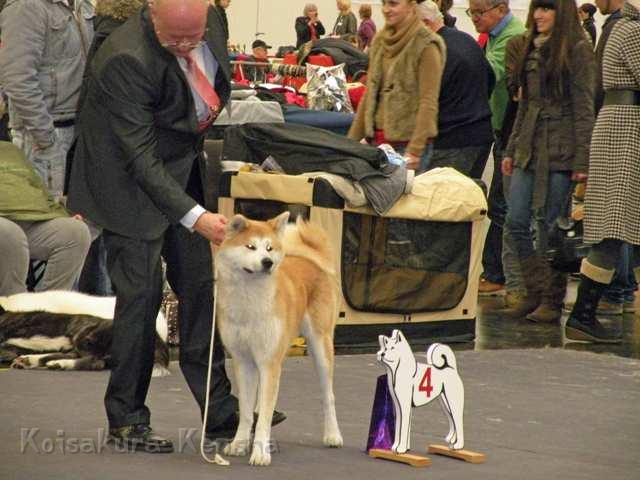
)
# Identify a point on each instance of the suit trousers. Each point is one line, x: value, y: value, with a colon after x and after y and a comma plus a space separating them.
x: 135, y: 269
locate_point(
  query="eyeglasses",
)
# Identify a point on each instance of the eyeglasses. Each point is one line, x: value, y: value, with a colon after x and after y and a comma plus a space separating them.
x: 476, y: 14
x: 183, y: 43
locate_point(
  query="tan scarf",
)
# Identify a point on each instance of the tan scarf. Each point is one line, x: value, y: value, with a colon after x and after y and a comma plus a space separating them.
x: 394, y: 40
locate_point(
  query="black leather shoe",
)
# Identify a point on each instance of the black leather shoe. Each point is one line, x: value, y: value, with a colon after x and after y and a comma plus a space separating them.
x: 139, y: 437
x: 228, y: 428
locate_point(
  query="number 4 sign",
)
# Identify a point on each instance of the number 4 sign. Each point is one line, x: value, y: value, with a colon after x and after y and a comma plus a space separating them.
x: 412, y: 384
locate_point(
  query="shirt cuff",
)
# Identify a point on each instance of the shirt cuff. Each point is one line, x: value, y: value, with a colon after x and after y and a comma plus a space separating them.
x: 191, y: 217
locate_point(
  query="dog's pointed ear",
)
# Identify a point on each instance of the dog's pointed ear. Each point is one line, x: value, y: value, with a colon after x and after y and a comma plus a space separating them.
x: 237, y: 224
x: 279, y: 223
x: 383, y: 341
x: 401, y: 336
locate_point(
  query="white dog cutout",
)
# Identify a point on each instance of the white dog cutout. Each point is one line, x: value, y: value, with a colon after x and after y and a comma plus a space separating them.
x: 416, y: 384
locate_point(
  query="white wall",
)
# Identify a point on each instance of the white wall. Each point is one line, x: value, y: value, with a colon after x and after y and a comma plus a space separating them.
x: 276, y: 18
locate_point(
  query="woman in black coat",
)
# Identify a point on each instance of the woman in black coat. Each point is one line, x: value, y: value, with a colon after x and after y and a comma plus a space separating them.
x: 308, y: 27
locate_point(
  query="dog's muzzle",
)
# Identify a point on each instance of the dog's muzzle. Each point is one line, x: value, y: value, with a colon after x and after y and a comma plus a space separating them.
x: 267, y: 263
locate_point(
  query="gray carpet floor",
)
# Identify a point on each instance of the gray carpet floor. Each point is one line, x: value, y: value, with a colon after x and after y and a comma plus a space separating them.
x: 536, y: 414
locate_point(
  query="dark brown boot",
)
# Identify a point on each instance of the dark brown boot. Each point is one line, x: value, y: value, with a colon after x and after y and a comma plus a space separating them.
x: 535, y: 274
x: 550, y: 310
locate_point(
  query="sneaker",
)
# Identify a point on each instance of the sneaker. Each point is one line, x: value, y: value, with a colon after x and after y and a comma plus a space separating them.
x: 604, y: 308
x: 490, y: 289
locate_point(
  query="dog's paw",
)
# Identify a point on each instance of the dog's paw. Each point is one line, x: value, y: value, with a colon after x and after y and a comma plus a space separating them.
x: 260, y: 457
x: 237, y: 448
x: 22, y: 362
x: 457, y: 445
x: 63, y: 364
x: 399, y: 449
x: 332, y: 440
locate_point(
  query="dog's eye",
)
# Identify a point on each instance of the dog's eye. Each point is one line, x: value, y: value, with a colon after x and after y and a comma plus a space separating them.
x: 269, y: 248
x: 251, y: 247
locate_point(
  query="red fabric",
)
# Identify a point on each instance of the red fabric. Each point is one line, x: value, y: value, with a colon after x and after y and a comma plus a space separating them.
x: 290, y: 59
x: 201, y: 84
x: 378, y: 139
x: 295, y: 99
x: 356, y: 94
x: 320, y: 59
x: 483, y: 38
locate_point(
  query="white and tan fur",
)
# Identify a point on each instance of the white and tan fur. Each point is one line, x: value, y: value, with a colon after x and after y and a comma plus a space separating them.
x: 413, y: 384
x: 275, y: 281
x: 64, y: 352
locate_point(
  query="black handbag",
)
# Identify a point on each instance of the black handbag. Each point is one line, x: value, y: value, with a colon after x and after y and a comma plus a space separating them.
x: 566, y: 248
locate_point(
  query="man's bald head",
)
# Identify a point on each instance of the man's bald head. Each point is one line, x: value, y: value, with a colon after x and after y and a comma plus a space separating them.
x: 179, y: 24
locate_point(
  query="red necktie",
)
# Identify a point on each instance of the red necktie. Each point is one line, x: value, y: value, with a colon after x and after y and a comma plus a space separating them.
x: 200, y: 83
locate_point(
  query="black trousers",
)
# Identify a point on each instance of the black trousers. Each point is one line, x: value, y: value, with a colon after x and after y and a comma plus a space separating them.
x: 135, y: 270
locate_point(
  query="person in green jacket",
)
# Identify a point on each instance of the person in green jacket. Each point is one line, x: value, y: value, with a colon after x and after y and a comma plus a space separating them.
x: 500, y: 267
x: 35, y: 227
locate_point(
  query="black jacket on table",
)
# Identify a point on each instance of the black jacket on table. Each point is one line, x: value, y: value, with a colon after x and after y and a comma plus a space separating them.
x: 138, y: 131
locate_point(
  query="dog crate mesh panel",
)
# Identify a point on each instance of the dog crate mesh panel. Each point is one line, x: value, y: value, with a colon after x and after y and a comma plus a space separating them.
x: 392, y: 265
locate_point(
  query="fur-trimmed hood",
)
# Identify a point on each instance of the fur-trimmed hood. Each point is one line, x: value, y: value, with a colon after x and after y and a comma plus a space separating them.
x: 118, y: 9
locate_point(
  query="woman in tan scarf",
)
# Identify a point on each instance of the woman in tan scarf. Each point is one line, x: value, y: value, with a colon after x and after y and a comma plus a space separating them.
x: 400, y: 106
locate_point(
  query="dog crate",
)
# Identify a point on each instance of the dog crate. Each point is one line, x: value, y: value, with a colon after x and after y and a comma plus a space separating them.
x: 416, y: 268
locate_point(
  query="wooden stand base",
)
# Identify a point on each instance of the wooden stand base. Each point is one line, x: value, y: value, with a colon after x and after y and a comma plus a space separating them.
x: 466, y: 455
x: 409, y: 459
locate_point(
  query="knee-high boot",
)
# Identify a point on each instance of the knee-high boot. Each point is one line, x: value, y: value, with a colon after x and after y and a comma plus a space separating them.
x: 550, y: 310
x: 535, y: 274
x: 583, y: 324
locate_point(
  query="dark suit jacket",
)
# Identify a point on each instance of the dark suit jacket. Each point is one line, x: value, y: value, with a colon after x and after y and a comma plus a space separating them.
x: 138, y: 131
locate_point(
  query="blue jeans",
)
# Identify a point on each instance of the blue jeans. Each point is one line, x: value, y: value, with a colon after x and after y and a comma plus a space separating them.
x: 623, y: 286
x: 520, y: 214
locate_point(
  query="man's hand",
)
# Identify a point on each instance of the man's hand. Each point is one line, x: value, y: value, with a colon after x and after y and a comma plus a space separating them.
x: 578, y: 177
x: 507, y: 166
x: 412, y: 161
x: 211, y: 226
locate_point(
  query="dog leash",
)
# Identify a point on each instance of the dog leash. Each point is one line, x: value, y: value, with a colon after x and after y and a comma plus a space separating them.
x: 217, y: 460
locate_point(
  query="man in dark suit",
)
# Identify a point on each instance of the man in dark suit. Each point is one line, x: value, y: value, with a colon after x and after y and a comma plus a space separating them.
x: 152, y: 90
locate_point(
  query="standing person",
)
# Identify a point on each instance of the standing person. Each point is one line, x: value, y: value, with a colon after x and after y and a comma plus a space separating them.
x: 308, y: 26
x: 221, y: 7
x: 586, y: 13
x: 42, y: 60
x: 549, y: 144
x: 346, y: 23
x: 612, y: 203
x: 464, y: 117
x: 367, y: 29
x: 449, y: 20
x: 154, y: 87
x: 494, y: 18
x: 619, y: 297
x: 400, y: 106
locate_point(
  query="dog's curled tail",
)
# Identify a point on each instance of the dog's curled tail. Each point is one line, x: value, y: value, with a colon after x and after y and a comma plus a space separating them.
x: 315, y: 245
x: 441, y: 356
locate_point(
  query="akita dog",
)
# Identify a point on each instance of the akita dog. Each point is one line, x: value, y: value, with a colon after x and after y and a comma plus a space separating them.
x: 414, y: 384
x: 274, y: 282
x: 65, y: 330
